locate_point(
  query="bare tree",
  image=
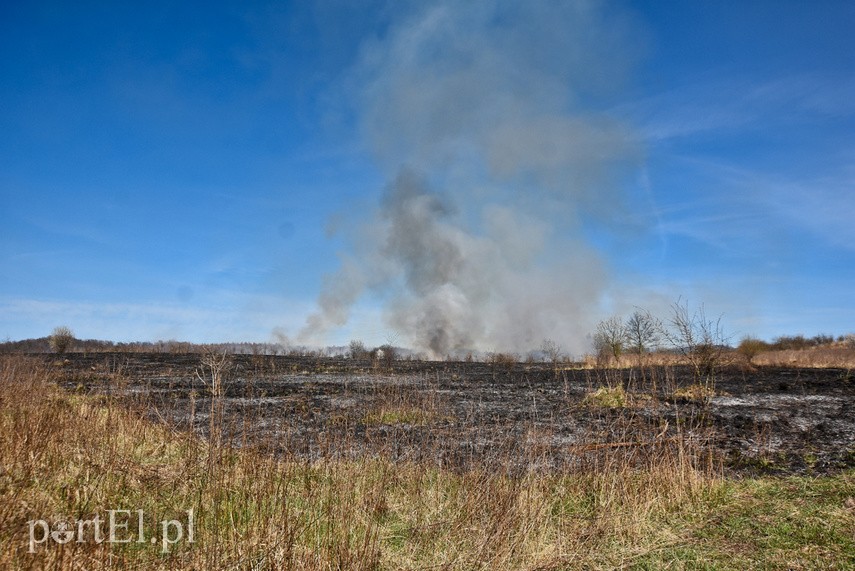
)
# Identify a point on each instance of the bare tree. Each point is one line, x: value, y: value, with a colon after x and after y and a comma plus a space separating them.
x: 61, y: 339
x: 696, y: 336
x: 551, y: 350
x: 357, y: 350
x: 386, y: 355
x: 610, y: 338
x: 643, y: 332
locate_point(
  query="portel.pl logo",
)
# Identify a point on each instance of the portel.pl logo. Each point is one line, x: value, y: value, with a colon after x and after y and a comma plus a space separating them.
x: 115, y: 528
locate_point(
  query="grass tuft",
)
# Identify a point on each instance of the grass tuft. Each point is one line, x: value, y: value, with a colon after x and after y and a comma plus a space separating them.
x: 608, y: 397
x: 697, y: 392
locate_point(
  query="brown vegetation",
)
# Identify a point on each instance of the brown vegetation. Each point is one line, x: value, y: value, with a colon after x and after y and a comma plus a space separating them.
x: 61, y: 339
x: 645, y: 497
x: 817, y: 357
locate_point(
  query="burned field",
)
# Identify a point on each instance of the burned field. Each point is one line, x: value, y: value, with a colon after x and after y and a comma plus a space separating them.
x: 508, y: 417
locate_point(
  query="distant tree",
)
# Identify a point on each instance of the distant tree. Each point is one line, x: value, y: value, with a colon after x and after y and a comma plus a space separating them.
x: 386, y: 354
x: 790, y: 342
x: 357, y: 350
x: 551, y: 350
x: 822, y: 339
x: 61, y: 339
x: 643, y: 332
x: 610, y: 338
x: 799, y: 342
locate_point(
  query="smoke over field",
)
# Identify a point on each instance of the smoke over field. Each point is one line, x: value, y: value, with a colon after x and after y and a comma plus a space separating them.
x: 487, y: 119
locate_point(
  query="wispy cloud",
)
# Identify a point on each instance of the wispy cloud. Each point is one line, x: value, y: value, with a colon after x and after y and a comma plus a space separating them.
x: 714, y: 104
x: 749, y: 160
x: 822, y: 204
x: 720, y: 231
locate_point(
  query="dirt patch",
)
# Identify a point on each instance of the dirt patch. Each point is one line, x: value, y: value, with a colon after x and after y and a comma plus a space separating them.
x: 513, y: 417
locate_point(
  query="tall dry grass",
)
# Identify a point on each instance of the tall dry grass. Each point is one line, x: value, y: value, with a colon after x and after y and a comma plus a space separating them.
x: 813, y: 357
x: 68, y: 456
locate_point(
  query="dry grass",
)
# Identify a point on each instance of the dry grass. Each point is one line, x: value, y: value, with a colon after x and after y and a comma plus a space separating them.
x: 815, y: 357
x: 697, y: 392
x: 73, y: 456
x: 836, y: 356
x: 397, y: 405
x: 609, y: 397
x: 399, y: 415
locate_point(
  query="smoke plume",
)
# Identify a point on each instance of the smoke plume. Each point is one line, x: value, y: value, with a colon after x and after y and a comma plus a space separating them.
x: 488, y: 119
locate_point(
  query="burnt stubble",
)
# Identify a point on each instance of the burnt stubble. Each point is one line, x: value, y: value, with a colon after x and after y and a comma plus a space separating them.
x: 509, y: 417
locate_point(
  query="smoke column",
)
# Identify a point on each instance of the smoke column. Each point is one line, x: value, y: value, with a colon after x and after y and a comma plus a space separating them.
x: 488, y: 119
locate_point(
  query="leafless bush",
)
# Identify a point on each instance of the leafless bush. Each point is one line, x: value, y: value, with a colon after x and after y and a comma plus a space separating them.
x: 551, y: 350
x: 798, y: 342
x: 385, y: 355
x: 503, y: 360
x: 698, y: 338
x: 61, y: 339
x: 750, y: 347
x: 357, y: 350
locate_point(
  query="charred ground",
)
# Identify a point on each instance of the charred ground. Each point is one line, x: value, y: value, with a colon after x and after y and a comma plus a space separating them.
x: 504, y: 416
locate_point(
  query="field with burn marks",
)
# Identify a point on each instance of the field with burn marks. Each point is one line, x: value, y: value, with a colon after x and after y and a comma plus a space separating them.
x: 516, y: 417
x: 318, y: 464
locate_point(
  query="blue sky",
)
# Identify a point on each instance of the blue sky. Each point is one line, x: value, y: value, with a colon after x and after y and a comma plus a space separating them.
x: 195, y: 170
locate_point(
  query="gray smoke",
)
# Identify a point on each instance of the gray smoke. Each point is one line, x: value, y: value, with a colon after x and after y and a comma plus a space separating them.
x: 485, y: 117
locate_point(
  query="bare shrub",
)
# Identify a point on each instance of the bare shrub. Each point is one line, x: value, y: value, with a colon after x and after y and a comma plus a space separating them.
x: 609, y: 339
x: 698, y: 338
x: 503, y: 360
x: 551, y: 350
x: 357, y: 350
x: 61, y: 339
x: 750, y: 347
x: 385, y: 355
x: 799, y: 342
